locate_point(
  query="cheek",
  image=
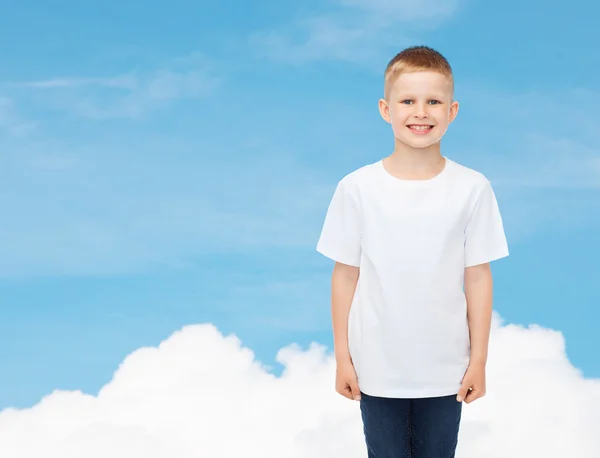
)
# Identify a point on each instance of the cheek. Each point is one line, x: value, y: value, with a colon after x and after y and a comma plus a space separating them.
x: 444, y: 116
x: 397, y: 117
x: 398, y: 122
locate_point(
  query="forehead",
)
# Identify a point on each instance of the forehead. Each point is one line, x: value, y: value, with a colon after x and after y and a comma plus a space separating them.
x: 422, y: 82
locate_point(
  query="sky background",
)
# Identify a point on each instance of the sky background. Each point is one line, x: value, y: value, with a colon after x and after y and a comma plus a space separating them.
x: 165, y: 165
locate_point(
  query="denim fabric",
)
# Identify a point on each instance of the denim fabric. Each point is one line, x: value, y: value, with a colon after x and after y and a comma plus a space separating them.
x: 411, y: 428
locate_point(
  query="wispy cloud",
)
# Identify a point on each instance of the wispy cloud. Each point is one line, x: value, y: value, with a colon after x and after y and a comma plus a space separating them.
x: 200, y: 393
x: 404, y: 10
x: 128, y: 203
x: 123, y: 209
x: 314, y: 39
x: 125, y: 82
x: 551, y: 162
x: 350, y: 30
x: 11, y: 121
x: 146, y: 95
x: 539, y: 150
x: 531, y: 139
x: 129, y: 95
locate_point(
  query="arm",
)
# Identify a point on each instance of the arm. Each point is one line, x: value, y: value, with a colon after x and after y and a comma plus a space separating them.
x: 478, y: 291
x: 343, y: 286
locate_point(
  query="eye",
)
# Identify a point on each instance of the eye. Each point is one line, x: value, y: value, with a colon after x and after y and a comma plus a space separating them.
x: 406, y: 102
x: 434, y: 102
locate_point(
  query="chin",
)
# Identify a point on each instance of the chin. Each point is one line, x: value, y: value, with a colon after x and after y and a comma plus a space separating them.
x: 419, y: 142
x: 423, y: 144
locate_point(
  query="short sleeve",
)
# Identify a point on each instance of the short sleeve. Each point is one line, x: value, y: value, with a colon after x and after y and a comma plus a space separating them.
x: 485, y: 240
x: 340, y: 238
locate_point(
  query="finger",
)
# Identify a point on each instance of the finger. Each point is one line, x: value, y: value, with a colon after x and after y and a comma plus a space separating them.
x: 355, y: 391
x: 462, y: 393
x: 471, y: 396
x: 347, y: 392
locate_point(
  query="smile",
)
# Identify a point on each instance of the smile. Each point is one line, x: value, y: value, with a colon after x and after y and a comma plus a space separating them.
x: 420, y: 129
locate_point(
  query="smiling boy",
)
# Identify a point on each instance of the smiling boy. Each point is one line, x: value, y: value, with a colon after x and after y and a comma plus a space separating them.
x: 412, y: 236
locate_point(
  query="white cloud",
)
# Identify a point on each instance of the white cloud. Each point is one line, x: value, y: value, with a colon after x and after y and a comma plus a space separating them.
x: 202, y: 394
x: 531, y: 136
x: 546, y: 176
x: 313, y: 39
x: 135, y: 209
x: 544, y: 161
x: 93, y: 206
x: 11, y: 121
x: 128, y: 95
x: 405, y: 10
x: 125, y: 81
x: 351, y: 30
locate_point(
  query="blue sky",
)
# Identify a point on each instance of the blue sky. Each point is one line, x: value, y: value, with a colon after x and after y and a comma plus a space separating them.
x: 162, y: 167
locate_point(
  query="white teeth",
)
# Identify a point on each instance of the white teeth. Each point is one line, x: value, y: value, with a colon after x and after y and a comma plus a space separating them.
x: 420, y: 127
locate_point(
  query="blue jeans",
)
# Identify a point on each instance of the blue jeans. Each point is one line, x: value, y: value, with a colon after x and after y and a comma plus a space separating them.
x: 411, y: 428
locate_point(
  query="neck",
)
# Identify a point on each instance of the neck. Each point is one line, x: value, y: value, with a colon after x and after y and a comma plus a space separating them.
x: 406, y: 151
x: 417, y: 158
x: 415, y: 163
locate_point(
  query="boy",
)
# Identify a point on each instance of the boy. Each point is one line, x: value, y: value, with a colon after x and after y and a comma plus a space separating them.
x: 412, y: 236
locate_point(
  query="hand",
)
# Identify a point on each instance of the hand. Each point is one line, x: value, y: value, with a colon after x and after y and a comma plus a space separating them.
x: 346, y: 381
x: 473, y: 384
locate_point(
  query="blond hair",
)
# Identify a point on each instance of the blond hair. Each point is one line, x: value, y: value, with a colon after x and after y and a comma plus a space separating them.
x: 415, y: 59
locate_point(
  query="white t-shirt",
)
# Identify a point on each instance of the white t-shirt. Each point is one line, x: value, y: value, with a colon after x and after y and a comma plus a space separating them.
x: 408, y: 333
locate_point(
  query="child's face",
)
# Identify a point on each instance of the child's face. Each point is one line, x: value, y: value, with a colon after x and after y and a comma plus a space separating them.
x: 419, y: 108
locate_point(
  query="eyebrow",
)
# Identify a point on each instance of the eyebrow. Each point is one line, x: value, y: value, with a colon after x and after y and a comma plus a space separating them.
x: 411, y: 96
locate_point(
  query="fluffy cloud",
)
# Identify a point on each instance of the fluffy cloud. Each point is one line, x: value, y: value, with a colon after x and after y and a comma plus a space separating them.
x: 200, y: 393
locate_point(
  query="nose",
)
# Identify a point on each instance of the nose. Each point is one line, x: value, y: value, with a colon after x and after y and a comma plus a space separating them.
x: 421, y: 111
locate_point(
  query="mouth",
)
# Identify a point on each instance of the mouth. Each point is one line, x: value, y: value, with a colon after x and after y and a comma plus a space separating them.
x: 420, y: 129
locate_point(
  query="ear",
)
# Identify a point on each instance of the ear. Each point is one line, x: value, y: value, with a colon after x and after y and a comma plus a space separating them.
x: 453, y: 110
x: 384, y: 110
